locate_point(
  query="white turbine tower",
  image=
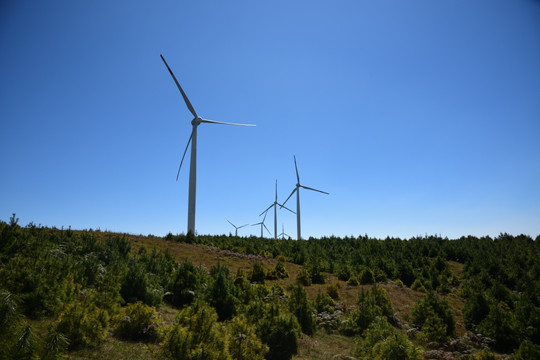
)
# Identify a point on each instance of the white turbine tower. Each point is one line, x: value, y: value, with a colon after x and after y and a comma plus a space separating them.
x: 297, y: 189
x: 275, y: 204
x: 283, y: 233
x: 193, y: 164
x: 237, y: 227
x: 262, y: 224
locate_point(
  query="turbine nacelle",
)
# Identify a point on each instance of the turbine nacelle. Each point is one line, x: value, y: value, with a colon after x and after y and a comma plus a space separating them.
x: 297, y: 190
x: 197, y: 120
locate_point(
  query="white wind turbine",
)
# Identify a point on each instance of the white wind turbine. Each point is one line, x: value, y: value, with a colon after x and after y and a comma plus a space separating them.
x: 262, y: 224
x: 297, y: 189
x: 193, y: 139
x: 283, y: 233
x: 237, y: 227
x: 275, y: 204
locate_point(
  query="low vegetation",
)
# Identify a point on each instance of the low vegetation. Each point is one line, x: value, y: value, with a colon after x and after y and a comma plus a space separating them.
x: 85, y: 293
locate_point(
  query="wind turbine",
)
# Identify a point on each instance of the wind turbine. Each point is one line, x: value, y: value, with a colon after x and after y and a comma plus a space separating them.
x: 237, y: 227
x: 283, y: 233
x: 197, y: 120
x: 297, y: 189
x: 262, y: 224
x: 274, y: 204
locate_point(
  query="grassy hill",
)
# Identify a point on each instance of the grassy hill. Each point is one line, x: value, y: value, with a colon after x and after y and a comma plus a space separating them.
x: 439, y: 298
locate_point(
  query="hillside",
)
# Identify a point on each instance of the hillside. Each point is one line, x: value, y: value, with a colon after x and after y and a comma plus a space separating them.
x: 402, y: 298
x: 89, y: 293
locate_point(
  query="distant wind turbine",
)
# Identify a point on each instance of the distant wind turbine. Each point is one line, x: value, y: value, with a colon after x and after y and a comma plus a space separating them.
x: 275, y: 204
x: 237, y: 227
x: 262, y: 224
x: 297, y: 189
x: 283, y: 233
x: 193, y: 139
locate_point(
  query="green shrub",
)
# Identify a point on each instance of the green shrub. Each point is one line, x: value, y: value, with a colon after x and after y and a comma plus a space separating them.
x: 56, y: 344
x: 353, y: 281
x: 26, y: 344
x: 476, y: 309
x: 136, y: 285
x: 17, y: 339
x: 358, y: 320
x: 196, y: 335
x: 324, y: 303
x: 380, y: 276
x: 502, y: 326
x: 137, y: 322
x: 271, y: 274
x: 9, y: 314
x: 382, y: 341
x: 276, y: 293
x: 332, y: 290
x: 257, y: 273
x: 378, y: 296
x: 281, y: 271
x: 301, y: 308
x: 184, y: 284
x: 241, y: 280
x: 527, y: 351
x: 372, y: 304
x: 434, y: 329
x: 280, y: 332
x: 431, y: 306
x: 399, y: 283
x: 417, y: 285
x: 107, y: 295
x: 367, y: 277
x: 303, y: 277
x: 405, y: 273
x: 244, y: 344
x: 83, y: 324
x: 343, y: 272
x: 221, y: 293
x: 396, y: 347
x: 39, y: 282
x: 314, y: 268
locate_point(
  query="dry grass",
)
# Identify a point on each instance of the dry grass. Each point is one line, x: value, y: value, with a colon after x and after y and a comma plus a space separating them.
x: 113, y: 348
x: 323, y: 346
x: 456, y: 268
x: 203, y: 255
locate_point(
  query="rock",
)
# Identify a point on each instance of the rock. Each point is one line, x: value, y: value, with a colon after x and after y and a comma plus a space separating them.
x: 412, y: 331
x: 457, y: 345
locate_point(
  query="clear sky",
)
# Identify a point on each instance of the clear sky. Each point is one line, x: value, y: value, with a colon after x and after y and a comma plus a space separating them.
x: 418, y: 117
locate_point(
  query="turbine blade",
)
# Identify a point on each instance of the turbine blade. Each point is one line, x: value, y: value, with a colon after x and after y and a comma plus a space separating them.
x: 186, y: 100
x: 183, y: 156
x: 264, y: 218
x: 276, y: 192
x: 289, y: 197
x: 232, y: 224
x: 284, y: 207
x: 296, y: 168
x: 223, y: 123
x: 242, y: 226
x: 308, y: 188
x: 267, y: 230
x: 268, y: 208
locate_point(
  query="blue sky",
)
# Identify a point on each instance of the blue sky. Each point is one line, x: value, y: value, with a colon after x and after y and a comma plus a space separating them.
x: 418, y: 117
